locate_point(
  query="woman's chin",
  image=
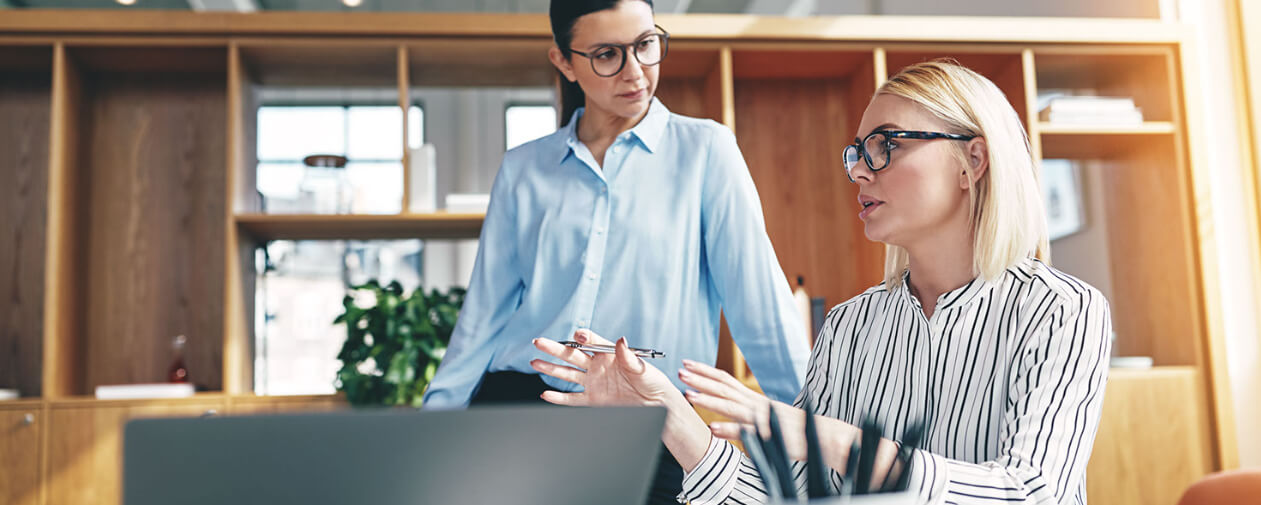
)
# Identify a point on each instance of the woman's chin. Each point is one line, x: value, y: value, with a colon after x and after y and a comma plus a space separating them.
x: 632, y: 109
x: 874, y: 233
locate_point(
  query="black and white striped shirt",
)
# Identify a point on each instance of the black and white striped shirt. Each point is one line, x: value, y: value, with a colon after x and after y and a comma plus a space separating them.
x: 1008, y: 376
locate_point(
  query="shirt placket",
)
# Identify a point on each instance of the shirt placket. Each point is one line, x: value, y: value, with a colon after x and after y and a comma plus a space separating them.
x: 597, y: 241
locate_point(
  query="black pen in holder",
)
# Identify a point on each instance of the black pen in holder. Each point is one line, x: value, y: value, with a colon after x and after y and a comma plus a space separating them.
x: 777, y: 453
x: 753, y: 448
x: 816, y: 471
x: 867, y: 456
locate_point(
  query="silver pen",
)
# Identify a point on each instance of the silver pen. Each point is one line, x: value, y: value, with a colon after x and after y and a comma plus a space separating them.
x: 609, y: 349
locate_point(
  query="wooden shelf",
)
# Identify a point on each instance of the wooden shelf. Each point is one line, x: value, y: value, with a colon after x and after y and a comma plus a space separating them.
x: 438, y: 225
x: 1147, y: 128
x: 246, y: 399
x: 89, y: 401
x: 21, y: 404
x: 1100, y: 142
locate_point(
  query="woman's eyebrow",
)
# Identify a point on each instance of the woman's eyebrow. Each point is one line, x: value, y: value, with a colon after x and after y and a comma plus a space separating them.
x: 886, y: 126
x: 607, y: 44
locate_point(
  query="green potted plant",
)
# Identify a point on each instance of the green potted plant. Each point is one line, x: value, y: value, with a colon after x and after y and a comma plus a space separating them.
x: 394, y: 342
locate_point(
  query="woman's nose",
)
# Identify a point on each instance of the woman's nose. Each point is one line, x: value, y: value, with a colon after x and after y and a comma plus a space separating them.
x: 633, y: 70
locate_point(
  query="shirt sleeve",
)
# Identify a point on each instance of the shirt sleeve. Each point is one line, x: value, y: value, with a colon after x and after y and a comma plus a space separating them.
x: 493, y: 296
x: 754, y: 292
x: 1050, y: 423
x: 726, y: 475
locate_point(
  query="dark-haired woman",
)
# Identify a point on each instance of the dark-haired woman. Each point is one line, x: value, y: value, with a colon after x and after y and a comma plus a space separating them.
x: 629, y: 220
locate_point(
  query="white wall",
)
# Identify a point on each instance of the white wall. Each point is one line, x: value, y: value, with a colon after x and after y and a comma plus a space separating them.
x: 1232, y: 219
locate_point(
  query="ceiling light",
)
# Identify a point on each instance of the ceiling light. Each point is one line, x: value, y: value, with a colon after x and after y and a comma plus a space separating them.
x: 126, y: 2
x: 349, y: 3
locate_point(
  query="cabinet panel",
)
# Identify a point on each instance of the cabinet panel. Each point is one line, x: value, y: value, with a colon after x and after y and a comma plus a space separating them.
x: 20, y: 430
x: 86, y: 447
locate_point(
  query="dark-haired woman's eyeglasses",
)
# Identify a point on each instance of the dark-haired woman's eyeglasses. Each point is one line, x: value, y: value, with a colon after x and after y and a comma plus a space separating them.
x: 877, y: 148
x: 608, y: 60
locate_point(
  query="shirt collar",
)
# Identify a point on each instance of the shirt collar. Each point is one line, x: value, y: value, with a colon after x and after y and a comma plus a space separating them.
x: 649, y: 130
x: 975, y: 290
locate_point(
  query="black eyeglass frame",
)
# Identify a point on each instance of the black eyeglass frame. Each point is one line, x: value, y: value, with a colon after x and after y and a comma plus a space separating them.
x: 624, y: 49
x: 858, y: 148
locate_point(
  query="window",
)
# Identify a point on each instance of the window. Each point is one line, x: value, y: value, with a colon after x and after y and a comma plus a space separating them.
x: 299, y: 293
x: 523, y: 123
x: 369, y: 136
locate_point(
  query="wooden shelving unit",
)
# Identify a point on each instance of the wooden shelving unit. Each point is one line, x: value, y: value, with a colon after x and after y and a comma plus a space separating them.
x: 131, y: 138
x: 264, y: 227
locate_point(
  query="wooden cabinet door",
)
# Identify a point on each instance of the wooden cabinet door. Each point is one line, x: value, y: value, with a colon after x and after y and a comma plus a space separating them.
x: 1151, y: 443
x: 20, y: 429
x: 85, y: 448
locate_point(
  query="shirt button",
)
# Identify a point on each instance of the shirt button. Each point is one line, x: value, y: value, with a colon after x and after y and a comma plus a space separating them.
x: 599, y: 230
x: 582, y: 324
x: 591, y: 276
x: 617, y: 149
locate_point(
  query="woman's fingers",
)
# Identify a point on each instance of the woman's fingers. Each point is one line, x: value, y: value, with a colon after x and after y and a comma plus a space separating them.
x: 561, y: 372
x: 590, y: 337
x: 569, y: 354
x: 717, y: 375
x: 713, y: 387
x: 566, y: 399
x: 627, y: 358
x: 727, y: 430
x: 734, y: 410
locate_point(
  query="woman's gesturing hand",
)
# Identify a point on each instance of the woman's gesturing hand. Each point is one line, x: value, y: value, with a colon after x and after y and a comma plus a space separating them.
x: 620, y: 378
x: 721, y: 393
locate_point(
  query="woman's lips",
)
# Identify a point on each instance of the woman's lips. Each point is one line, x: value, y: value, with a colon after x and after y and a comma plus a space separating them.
x: 633, y: 95
x: 868, y: 210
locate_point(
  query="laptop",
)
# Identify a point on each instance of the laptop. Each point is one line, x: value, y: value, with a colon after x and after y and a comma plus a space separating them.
x: 492, y: 455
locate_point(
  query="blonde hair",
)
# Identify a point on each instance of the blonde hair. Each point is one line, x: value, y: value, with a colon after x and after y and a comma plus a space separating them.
x: 1008, y: 220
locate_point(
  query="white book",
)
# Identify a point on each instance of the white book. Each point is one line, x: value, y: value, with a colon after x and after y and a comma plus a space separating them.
x: 142, y: 391
x: 1126, y: 118
x: 1091, y: 104
x: 1133, y: 362
x: 8, y: 394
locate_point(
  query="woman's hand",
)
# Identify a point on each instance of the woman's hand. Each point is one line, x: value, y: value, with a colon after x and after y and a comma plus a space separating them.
x: 719, y: 392
x: 624, y: 379
x: 606, y: 379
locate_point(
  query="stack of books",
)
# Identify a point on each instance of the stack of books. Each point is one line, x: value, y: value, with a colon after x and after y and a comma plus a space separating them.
x: 1092, y: 111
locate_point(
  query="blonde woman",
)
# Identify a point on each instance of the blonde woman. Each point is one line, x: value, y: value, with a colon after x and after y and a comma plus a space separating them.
x: 1003, y: 358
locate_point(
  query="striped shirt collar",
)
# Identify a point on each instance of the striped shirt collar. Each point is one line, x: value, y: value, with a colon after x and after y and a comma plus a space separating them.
x: 977, y: 289
x: 649, y: 130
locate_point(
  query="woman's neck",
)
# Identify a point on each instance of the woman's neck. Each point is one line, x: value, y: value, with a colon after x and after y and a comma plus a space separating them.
x: 599, y: 127
x: 938, y: 268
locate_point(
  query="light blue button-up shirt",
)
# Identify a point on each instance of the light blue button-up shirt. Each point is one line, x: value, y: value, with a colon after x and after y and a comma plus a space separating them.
x: 651, y: 246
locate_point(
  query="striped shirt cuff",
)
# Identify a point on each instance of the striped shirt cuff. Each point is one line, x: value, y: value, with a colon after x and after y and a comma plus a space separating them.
x: 714, y: 477
x: 928, y: 476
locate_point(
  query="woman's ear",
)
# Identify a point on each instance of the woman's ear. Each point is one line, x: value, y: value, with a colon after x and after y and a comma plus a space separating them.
x: 561, y: 63
x: 978, y: 156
